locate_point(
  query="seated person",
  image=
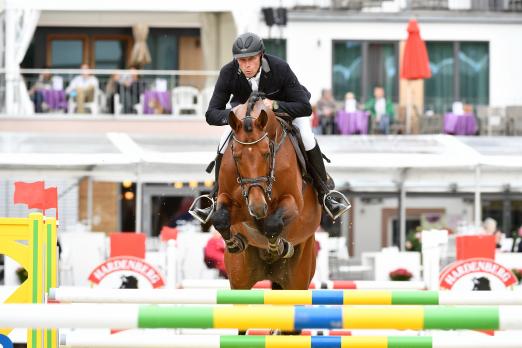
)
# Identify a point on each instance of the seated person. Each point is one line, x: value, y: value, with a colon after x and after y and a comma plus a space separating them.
x: 83, y: 87
x: 131, y: 88
x: 381, y: 111
x: 350, y: 103
x: 44, y: 82
x: 326, y: 112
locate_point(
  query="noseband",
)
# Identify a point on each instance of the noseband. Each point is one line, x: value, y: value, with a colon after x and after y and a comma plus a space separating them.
x: 247, y: 183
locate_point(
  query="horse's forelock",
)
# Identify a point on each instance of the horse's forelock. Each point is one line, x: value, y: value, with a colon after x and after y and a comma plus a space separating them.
x: 247, y: 124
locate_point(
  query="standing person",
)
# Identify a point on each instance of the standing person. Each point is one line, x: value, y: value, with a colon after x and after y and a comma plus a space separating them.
x: 250, y: 70
x: 326, y: 111
x: 83, y: 88
x: 381, y: 111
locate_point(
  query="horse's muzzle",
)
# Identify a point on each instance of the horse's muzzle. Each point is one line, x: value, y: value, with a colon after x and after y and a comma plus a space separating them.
x: 258, y: 211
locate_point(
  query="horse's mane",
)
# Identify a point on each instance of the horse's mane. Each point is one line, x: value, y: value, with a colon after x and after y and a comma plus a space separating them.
x: 254, y: 97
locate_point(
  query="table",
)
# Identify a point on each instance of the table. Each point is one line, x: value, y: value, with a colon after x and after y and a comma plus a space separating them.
x: 465, y: 124
x: 352, y: 122
x: 54, y: 98
x: 156, y: 102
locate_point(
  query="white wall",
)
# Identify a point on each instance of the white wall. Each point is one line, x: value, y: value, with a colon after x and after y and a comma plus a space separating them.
x: 309, y: 48
x: 368, y: 217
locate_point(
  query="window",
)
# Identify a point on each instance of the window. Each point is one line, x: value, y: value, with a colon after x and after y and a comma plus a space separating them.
x: 359, y: 66
x: 438, y: 90
x: 276, y: 47
x: 474, y: 72
x: 347, y: 68
x: 64, y: 51
x: 163, y: 50
x: 460, y: 71
x: 111, y: 52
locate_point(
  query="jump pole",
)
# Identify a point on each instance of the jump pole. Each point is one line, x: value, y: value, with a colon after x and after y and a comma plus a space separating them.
x: 332, y: 284
x: 151, y: 341
x: 283, y: 297
x: 243, y: 317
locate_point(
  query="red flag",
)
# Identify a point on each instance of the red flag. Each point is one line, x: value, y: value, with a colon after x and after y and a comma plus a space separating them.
x: 51, y: 198
x: 31, y: 194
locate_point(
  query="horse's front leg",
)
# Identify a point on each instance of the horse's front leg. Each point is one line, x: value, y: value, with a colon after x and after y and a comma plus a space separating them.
x: 273, y: 226
x: 222, y: 222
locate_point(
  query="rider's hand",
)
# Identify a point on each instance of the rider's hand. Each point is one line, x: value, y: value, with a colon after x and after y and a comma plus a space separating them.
x: 268, y: 103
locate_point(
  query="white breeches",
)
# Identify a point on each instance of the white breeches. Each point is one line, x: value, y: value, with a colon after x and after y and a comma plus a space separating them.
x: 303, y: 123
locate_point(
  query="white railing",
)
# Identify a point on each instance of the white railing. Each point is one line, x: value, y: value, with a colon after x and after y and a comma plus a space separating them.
x: 108, y: 91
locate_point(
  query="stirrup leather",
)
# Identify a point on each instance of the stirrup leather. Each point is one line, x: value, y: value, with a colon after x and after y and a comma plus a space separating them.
x: 342, y: 200
x: 202, y: 214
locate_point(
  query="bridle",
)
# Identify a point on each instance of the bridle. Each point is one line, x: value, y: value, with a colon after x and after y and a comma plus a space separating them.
x: 269, y: 179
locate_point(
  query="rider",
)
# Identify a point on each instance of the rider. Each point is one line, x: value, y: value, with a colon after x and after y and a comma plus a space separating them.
x: 254, y: 70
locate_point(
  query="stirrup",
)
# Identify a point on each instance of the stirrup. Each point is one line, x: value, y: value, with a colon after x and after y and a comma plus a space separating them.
x: 343, y: 200
x: 202, y: 214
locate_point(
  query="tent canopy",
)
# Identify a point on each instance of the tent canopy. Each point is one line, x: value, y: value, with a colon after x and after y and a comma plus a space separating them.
x: 362, y: 162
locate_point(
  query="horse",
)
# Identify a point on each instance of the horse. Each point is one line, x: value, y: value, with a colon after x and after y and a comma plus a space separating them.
x: 265, y: 211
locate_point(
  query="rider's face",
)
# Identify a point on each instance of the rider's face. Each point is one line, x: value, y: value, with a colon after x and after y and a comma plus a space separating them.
x: 250, y: 65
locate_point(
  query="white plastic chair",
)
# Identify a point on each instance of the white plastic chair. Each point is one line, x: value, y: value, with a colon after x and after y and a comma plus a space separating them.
x: 185, y: 98
x: 93, y: 106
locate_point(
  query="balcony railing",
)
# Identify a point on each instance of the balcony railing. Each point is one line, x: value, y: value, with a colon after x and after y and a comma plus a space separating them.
x: 431, y: 5
x: 102, y: 92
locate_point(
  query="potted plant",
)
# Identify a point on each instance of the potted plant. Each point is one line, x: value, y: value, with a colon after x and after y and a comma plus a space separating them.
x: 400, y: 274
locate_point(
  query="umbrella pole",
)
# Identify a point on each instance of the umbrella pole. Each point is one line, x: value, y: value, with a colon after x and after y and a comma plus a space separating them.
x: 408, y: 107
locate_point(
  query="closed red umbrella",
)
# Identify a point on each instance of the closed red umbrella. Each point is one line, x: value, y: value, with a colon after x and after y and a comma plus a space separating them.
x: 415, y: 62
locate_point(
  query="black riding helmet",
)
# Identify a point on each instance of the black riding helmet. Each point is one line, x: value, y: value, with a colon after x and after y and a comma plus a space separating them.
x: 247, y: 45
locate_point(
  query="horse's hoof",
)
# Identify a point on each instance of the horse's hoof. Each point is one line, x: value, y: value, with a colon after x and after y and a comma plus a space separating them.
x: 273, y: 226
x: 236, y: 244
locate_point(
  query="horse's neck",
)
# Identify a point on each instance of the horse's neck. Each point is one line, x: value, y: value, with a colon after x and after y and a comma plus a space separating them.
x: 274, y: 128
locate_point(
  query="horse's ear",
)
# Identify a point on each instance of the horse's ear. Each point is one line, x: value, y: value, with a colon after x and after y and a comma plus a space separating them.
x: 262, y: 120
x: 233, y: 121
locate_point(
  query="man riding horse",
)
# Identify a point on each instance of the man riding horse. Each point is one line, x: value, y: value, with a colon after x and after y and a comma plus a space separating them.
x: 254, y: 70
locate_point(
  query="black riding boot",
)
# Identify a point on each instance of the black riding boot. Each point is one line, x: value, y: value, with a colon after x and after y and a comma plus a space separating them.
x: 334, y: 202
x: 203, y: 214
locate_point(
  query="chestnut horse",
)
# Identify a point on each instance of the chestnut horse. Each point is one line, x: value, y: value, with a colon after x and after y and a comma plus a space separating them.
x: 265, y: 211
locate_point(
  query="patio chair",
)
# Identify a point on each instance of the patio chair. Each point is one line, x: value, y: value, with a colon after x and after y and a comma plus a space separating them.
x: 514, y: 118
x: 93, y: 105
x: 186, y: 100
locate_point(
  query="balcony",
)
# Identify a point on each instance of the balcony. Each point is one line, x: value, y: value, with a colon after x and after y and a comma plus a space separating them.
x: 429, y: 5
x: 101, y: 100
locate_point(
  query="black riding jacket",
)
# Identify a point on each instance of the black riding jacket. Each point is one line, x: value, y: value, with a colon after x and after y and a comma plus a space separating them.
x: 277, y: 81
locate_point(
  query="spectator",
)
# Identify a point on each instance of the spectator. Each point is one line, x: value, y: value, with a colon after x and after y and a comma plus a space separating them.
x: 326, y: 111
x: 519, y: 247
x: 381, y: 111
x: 350, y: 103
x: 111, y: 89
x: 215, y: 253
x: 83, y: 87
x: 316, y: 124
x: 131, y: 89
x: 490, y: 228
x: 44, y: 82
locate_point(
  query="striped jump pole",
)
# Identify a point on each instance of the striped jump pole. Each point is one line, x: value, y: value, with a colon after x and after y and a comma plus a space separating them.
x: 290, y: 341
x: 332, y: 284
x: 125, y: 316
x: 283, y: 297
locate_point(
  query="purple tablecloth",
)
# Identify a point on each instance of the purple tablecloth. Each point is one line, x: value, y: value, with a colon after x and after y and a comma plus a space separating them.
x: 150, y: 98
x: 55, y: 99
x: 352, y: 122
x: 460, y: 124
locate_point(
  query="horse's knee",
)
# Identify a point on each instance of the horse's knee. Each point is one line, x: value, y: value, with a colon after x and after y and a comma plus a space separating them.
x: 273, y: 226
x: 221, y: 221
